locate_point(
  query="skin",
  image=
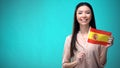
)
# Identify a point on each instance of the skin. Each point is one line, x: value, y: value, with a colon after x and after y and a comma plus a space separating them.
x: 84, y: 17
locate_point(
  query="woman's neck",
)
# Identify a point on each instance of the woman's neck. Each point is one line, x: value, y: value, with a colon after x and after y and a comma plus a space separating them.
x: 84, y: 29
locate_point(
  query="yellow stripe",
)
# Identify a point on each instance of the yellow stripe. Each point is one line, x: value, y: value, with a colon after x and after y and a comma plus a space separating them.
x: 100, y: 37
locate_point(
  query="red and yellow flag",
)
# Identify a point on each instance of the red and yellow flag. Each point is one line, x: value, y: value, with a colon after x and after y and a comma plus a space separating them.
x: 98, y: 36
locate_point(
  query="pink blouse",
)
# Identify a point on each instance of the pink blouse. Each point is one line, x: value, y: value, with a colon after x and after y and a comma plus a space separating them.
x: 93, y: 54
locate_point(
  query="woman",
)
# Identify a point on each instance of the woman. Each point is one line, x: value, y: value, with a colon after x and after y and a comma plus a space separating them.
x: 78, y: 53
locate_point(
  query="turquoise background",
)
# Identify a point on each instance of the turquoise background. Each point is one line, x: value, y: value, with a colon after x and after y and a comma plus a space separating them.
x: 32, y: 32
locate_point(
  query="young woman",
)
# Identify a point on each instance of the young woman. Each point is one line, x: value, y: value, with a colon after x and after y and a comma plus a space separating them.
x: 78, y: 53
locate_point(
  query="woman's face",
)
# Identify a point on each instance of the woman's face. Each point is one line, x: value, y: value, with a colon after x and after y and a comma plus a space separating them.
x: 84, y: 15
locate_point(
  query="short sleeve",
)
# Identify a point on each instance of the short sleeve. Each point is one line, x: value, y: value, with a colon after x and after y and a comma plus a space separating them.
x: 66, y: 53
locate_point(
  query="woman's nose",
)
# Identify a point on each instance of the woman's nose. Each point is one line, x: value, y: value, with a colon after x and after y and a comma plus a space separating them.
x: 83, y: 15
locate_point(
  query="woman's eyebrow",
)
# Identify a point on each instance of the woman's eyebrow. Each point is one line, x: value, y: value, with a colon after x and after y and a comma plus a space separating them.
x: 79, y: 11
x: 88, y: 10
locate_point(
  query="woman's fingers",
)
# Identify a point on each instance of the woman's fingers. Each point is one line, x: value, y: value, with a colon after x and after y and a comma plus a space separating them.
x: 110, y: 41
x: 81, y: 56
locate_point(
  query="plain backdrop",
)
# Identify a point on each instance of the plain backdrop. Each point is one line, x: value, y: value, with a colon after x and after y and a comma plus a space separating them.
x: 33, y: 32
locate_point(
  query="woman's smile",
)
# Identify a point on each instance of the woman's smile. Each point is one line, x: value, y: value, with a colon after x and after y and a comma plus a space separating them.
x: 84, y: 15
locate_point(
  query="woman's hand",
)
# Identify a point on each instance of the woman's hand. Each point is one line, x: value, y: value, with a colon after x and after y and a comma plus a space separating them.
x: 110, y: 41
x: 80, y: 56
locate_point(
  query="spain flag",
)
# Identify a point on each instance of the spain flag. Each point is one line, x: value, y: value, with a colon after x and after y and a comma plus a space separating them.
x: 98, y: 36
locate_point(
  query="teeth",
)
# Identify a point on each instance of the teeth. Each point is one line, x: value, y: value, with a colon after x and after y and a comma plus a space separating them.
x: 84, y: 20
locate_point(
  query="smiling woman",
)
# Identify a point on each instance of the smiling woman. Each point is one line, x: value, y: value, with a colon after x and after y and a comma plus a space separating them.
x: 32, y: 32
x: 84, y: 15
x: 78, y: 53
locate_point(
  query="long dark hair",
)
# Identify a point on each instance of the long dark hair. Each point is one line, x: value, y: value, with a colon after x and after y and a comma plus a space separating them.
x: 76, y: 26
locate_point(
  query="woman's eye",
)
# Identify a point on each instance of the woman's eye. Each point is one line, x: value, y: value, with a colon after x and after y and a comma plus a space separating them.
x: 87, y: 12
x: 79, y: 13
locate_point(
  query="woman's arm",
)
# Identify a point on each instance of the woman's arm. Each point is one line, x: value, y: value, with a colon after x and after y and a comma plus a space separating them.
x: 66, y: 55
x: 79, y: 58
x: 103, y: 53
x: 66, y: 63
x: 69, y: 64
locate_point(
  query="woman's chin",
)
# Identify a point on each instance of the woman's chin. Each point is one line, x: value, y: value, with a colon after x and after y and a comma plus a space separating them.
x: 84, y: 23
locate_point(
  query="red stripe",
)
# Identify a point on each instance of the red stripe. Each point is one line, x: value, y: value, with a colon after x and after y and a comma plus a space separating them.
x: 97, y: 42
x: 100, y: 31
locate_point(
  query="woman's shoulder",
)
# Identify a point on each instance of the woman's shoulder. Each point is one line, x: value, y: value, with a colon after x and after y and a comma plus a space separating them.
x: 68, y: 41
x: 68, y: 37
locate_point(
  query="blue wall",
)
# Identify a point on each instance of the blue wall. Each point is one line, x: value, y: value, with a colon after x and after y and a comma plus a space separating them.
x: 32, y: 32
